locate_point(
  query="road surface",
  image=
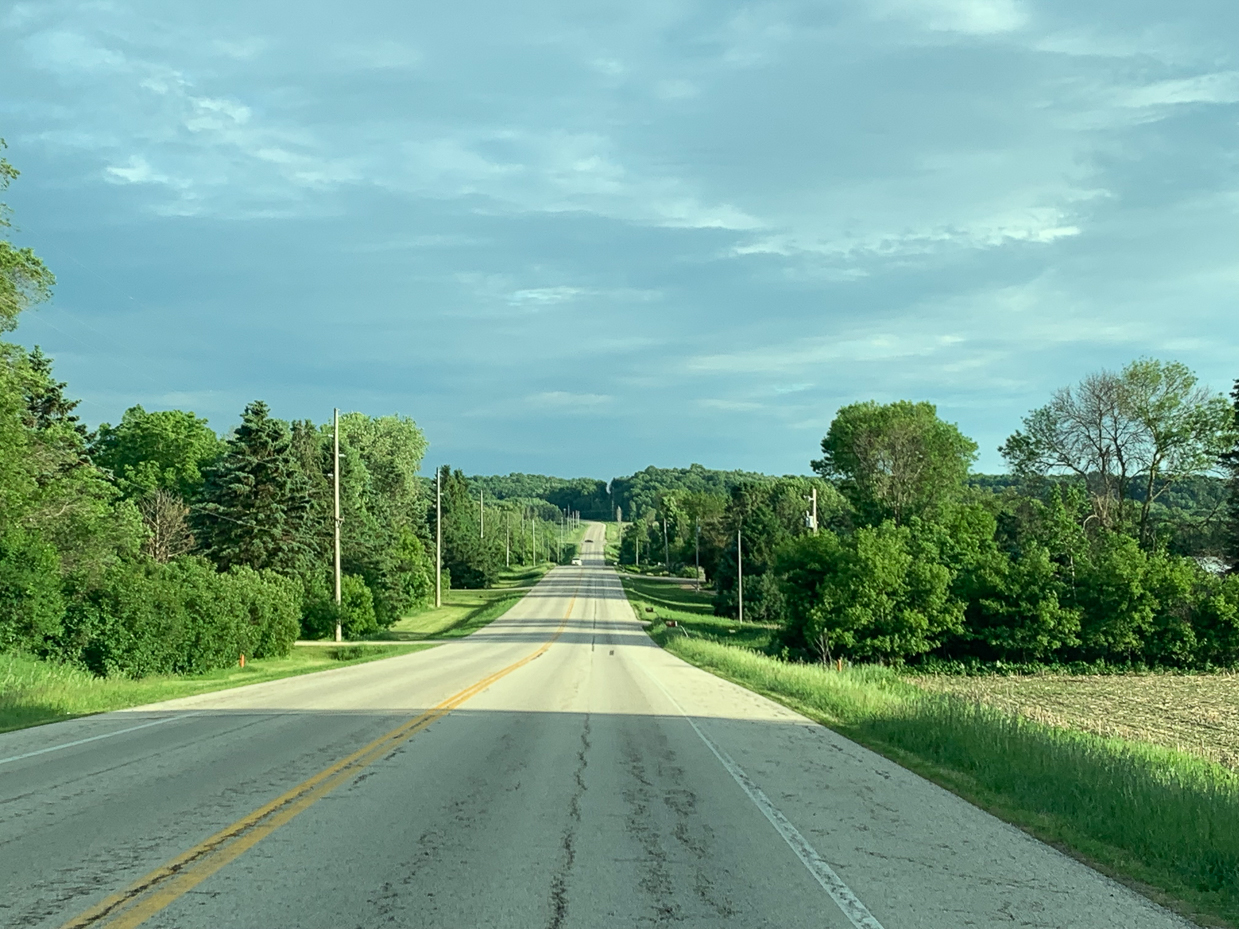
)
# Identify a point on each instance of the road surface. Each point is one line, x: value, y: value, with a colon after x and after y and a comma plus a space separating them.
x: 555, y: 769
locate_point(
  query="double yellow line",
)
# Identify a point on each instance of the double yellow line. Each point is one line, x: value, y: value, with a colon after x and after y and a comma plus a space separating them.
x: 156, y: 890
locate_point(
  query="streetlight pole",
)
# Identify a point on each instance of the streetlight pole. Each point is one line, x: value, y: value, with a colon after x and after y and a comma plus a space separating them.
x: 438, y: 536
x: 335, y: 477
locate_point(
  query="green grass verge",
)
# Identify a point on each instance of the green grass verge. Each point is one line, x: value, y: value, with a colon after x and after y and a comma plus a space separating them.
x: 463, y: 612
x: 1162, y: 821
x: 33, y: 692
x: 693, y: 611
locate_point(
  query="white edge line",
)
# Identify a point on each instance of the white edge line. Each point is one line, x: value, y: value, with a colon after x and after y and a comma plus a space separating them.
x: 95, y: 738
x: 831, y: 882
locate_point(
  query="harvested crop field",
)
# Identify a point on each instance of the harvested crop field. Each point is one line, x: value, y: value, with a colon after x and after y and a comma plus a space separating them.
x: 1196, y: 713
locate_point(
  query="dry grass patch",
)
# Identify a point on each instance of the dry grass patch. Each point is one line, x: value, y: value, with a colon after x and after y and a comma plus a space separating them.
x: 1197, y: 713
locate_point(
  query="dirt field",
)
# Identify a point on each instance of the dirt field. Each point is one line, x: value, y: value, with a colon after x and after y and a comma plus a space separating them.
x: 1197, y: 713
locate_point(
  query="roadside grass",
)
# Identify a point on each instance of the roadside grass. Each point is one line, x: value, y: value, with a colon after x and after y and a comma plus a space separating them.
x: 611, y: 546
x: 1163, y: 821
x: 34, y: 691
x: 660, y: 599
x: 522, y: 575
x: 463, y: 612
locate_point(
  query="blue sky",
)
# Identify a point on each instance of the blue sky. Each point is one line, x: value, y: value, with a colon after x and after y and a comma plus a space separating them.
x: 583, y: 238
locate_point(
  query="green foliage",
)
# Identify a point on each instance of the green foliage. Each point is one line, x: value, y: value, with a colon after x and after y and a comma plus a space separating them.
x: 880, y: 593
x: 355, y: 614
x: 24, y: 279
x: 31, y: 603
x: 585, y: 495
x: 638, y: 495
x: 895, y: 461
x: 1128, y: 437
x: 180, y: 618
x: 167, y: 449
x: 255, y: 503
x: 1230, y: 463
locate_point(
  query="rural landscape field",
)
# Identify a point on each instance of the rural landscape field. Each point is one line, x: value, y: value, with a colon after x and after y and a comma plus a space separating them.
x: 724, y: 465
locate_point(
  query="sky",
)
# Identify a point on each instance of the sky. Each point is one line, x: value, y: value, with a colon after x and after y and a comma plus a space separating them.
x: 582, y: 238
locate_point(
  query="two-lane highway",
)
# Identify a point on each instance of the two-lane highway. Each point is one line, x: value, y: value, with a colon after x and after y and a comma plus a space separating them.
x: 556, y: 769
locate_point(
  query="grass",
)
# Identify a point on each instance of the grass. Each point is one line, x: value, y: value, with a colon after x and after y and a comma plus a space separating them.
x: 661, y: 599
x: 33, y: 691
x: 463, y: 612
x: 1163, y: 821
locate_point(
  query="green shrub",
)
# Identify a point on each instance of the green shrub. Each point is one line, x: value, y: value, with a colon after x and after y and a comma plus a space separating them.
x: 179, y: 618
x: 31, y: 603
x: 355, y: 612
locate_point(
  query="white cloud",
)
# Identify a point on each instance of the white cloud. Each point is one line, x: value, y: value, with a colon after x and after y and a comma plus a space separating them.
x: 70, y: 51
x: 137, y: 171
x: 1218, y: 87
x: 543, y: 296
x: 562, y: 399
x: 972, y: 17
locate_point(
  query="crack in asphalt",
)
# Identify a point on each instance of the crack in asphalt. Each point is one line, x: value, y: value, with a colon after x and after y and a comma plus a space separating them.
x: 559, y: 883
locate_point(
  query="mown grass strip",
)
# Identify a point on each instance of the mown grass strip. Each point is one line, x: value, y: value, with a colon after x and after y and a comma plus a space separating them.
x: 463, y: 612
x: 33, y: 691
x: 1163, y: 821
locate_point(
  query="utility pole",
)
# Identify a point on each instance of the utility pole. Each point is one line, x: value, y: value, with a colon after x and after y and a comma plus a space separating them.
x: 335, y: 478
x: 739, y: 575
x: 438, y: 537
x: 507, y: 543
x: 697, y: 557
x: 666, y: 548
x: 481, y: 514
x: 813, y: 513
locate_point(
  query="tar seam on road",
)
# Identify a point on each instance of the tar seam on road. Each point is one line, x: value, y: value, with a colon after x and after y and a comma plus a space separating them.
x: 161, y: 887
x: 831, y: 882
x: 96, y: 738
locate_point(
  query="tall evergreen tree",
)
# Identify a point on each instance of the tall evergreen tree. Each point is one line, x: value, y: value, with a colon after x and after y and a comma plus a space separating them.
x: 255, y: 503
x: 1230, y: 461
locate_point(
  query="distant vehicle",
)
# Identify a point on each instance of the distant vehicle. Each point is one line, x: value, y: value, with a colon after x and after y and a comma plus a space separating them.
x: 576, y: 561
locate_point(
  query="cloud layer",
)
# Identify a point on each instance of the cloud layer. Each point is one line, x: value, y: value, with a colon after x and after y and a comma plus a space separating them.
x: 581, y: 239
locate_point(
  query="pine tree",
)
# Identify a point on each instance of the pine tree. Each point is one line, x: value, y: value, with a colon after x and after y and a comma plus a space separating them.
x: 1230, y: 461
x: 255, y: 504
x: 46, y: 403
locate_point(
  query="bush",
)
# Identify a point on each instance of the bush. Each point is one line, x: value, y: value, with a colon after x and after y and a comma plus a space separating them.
x: 355, y: 613
x: 31, y: 603
x: 179, y: 618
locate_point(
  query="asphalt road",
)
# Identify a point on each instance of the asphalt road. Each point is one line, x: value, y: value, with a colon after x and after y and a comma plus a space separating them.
x: 555, y: 769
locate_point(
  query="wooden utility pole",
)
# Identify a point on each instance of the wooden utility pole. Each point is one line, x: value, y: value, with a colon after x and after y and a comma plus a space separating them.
x: 335, y: 478
x: 666, y: 547
x: 438, y: 537
x: 507, y: 540
x: 481, y: 514
x: 739, y: 575
x: 697, y: 557
x: 813, y: 513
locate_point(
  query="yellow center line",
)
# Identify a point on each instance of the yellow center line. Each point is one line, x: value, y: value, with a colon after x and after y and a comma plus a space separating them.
x: 156, y: 890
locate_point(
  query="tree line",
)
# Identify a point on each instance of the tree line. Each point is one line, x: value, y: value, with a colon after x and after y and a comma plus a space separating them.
x: 1113, y: 541
x: 157, y: 545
